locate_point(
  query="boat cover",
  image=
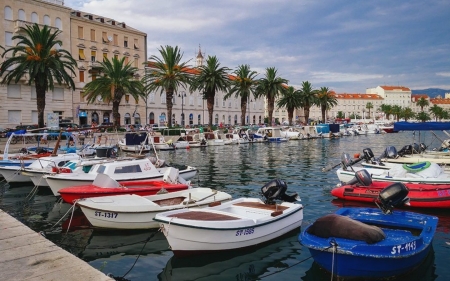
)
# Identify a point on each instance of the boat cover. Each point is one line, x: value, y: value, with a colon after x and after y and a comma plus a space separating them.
x: 338, y: 226
x: 422, y: 126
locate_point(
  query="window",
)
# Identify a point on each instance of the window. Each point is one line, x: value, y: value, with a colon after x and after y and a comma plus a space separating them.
x: 14, y: 116
x: 13, y: 91
x: 105, y: 37
x: 34, y: 18
x: 46, y: 20
x: 33, y: 93
x: 105, y: 56
x: 92, y: 34
x: 8, y: 13
x: 136, y: 44
x: 126, y: 60
x: 8, y: 39
x: 125, y: 42
x: 58, y: 23
x: 200, y: 99
x: 94, y: 76
x: 81, y: 96
x: 22, y: 15
x: 93, y: 56
x: 191, y: 100
x: 151, y: 97
x: 34, y: 116
x: 223, y: 102
x: 58, y: 94
x: 80, y: 32
x: 116, y: 57
x: 136, y: 63
x: 81, y: 54
x: 163, y: 98
x: 81, y: 76
x: 116, y: 40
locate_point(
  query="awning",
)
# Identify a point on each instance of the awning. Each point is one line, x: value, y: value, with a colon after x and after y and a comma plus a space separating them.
x: 82, y: 114
x: 421, y: 126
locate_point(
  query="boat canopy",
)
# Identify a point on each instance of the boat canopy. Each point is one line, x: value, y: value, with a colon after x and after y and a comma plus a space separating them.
x: 422, y: 126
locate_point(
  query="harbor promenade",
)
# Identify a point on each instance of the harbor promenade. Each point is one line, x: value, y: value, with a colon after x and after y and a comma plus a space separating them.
x: 27, y: 255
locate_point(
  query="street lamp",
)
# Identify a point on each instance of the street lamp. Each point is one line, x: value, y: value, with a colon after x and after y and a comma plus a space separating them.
x: 183, y: 94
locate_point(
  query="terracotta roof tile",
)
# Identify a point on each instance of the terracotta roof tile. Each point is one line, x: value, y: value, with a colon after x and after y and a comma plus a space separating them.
x: 398, y: 88
x: 359, y: 96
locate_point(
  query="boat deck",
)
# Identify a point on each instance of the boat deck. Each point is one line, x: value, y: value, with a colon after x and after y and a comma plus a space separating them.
x: 204, y: 216
x: 258, y: 205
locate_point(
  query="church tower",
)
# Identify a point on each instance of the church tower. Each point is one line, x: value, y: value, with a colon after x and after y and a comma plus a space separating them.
x: 199, y: 58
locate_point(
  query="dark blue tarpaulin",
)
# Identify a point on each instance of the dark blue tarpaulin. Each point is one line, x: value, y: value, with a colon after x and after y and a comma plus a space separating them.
x: 422, y: 126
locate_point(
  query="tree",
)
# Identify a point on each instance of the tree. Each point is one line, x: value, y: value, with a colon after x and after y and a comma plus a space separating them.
x: 407, y: 113
x: 369, y: 106
x: 386, y: 109
x: 291, y: 100
x: 326, y: 100
x: 423, y: 116
x: 340, y: 115
x: 211, y: 77
x: 243, y: 86
x: 167, y: 74
x: 270, y: 87
x: 422, y: 102
x: 308, y: 98
x: 115, y: 80
x: 38, y: 58
x: 436, y: 111
x: 397, y: 111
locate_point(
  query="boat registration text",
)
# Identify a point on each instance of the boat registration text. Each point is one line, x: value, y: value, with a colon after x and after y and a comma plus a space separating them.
x: 246, y: 231
x: 106, y: 214
x: 411, y: 246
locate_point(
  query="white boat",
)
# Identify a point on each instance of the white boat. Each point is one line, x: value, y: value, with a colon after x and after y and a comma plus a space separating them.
x: 137, y: 212
x: 212, y: 138
x: 135, y: 143
x: 309, y: 132
x: 237, y: 136
x: 194, y: 138
x: 270, y: 134
x: 237, y: 224
x: 128, y: 169
x: 160, y: 143
x: 291, y: 133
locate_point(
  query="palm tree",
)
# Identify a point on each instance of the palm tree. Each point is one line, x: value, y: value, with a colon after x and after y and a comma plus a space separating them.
x: 423, y: 116
x: 115, y: 80
x: 407, y: 113
x: 397, y: 111
x: 167, y: 74
x: 386, y: 109
x: 270, y: 87
x: 243, y: 86
x: 291, y: 100
x: 211, y: 78
x: 436, y: 111
x: 369, y: 106
x: 38, y: 58
x: 326, y: 100
x: 422, y: 102
x: 308, y: 98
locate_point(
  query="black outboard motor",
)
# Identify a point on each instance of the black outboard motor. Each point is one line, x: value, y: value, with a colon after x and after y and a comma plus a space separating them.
x: 370, y: 157
x: 412, y: 149
x: 276, y: 190
x: 392, y: 196
x: 362, y: 178
x: 390, y: 152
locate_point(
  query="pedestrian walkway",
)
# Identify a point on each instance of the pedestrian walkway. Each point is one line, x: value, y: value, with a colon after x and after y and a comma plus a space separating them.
x: 27, y: 255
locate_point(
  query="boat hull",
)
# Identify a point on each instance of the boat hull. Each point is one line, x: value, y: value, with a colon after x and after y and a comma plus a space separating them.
x: 407, y: 243
x: 13, y: 175
x: 420, y: 195
x: 252, y: 227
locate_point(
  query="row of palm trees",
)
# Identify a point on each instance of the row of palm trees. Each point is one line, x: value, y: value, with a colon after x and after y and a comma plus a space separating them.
x: 39, y: 58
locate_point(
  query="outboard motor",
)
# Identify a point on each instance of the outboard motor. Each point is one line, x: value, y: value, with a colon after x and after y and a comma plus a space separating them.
x: 411, y: 149
x: 392, y: 196
x: 276, y: 190
x: 370, y: 158
x: 390, y: 152
x: 422, y: 147
x: 362, y: 178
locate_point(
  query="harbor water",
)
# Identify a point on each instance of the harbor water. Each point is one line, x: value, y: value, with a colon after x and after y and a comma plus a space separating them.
x: 240, y: 170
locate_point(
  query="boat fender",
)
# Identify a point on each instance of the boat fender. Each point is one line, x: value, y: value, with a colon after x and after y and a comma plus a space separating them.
x: 417, y: 167
x: 334, y: 225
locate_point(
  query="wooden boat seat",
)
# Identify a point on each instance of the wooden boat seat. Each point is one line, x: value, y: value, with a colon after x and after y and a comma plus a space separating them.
x: 258, y: 205
x: 203, y: 216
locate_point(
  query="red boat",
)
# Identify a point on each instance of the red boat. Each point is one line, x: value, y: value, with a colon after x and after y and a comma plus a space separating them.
x: 420, y: 195
x: 111, y: 187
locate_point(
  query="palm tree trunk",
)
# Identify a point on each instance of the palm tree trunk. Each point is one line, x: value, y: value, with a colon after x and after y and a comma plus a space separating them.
x: 324, y: 109
x: 210, y: 105
x: 169, y: 105
x: 306, y: 108
x: 243, y: 110
x: 40, y: 102
x: 290, y: 115
x: 115, y: 112
x: 270, y: 107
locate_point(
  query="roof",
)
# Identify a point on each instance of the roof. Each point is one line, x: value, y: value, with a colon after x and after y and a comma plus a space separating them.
x: 396, y: 88
x: 359, y: 96
x: 419, y: 96
x: 440, y: 101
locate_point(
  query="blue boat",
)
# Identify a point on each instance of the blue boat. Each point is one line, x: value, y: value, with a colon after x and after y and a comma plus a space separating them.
x: 369, y: 242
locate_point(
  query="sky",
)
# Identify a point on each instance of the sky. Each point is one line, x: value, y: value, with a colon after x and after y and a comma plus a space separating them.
x: 345, y: 45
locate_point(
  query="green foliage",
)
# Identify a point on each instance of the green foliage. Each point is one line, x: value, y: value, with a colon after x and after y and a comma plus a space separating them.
x: 325, y: 100
x: 308, y: 98
x: 38, y: 57
x: 291, y: 100
x: 423, y: 116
